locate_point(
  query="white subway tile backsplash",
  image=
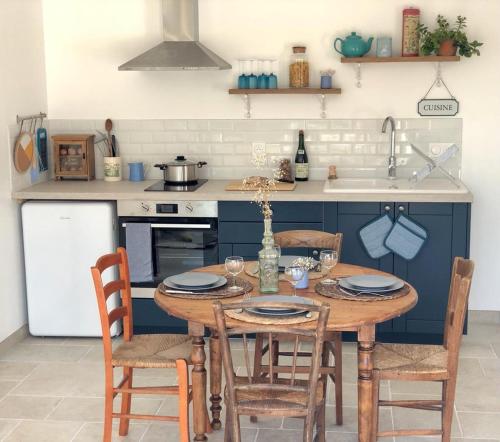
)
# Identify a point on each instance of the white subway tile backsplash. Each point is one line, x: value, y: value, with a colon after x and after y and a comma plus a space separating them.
x: 358, y: 147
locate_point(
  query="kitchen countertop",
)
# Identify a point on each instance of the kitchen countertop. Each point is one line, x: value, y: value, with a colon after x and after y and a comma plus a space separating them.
x: 214, y: 190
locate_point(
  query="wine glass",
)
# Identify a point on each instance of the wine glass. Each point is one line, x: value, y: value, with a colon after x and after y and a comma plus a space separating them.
x: 234, y: 266
x: 328, y: 259
x: 293, y: 275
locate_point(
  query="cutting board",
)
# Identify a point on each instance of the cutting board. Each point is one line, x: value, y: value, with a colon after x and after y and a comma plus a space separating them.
x: 238, y: 185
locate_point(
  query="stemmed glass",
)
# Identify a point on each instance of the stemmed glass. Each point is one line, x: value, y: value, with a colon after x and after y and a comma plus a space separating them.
x: 234, y: 266
x: 328, y: 259
x: 293, y: 275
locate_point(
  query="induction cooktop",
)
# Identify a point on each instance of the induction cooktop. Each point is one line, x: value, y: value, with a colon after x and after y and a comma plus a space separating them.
x: 164, y: 186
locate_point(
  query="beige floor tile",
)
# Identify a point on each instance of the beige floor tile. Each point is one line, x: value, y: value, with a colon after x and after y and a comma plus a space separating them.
x: 83, y: 341
x: 44, y: 431
x: 480, y: 425
x: 38, y: 340
x: 64, y: 379
x: 408, y: 418
x: 27, y: 407
x: 350, y: 394
x: 349, y: 348
x: 15, y: 371
x: 470, y: 367
x: 478, y: 394
x: 415, y: 388
x: 279, y: 436
x: 7, y: 426
x: 491, y: 367
x: 350, y: 424
x: 247, y: 435
x: 92, y: 432
x: 332, y: 436
x: 476, y: 350
x: 496, y: 347
x: 468, y: 439
x: 262, y: 421
x: 482, y: 333
x: 44, y: 353
x: 6, y: 387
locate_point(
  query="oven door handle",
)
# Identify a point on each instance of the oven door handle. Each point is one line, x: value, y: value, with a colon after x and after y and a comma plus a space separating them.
x: 177, y: 226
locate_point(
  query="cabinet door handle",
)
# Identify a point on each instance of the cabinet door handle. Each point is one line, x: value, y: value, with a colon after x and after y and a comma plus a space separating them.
x: 387, y: 208
x: 401, y: 208
x: 315, y: 252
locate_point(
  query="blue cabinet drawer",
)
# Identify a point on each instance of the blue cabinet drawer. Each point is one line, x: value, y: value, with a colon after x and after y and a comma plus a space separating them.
x: 360, y: 208
x: 251, y: 233
x: 430, y: 209
x: 284, y: 211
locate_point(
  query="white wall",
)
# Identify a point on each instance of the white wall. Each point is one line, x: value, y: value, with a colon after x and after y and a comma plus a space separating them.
x: 85, y: 41
x: 22, y: 91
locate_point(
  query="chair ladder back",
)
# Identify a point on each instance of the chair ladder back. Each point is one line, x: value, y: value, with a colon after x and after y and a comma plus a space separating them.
x: 461, y: 279
x: 126, y: 294
x: 309, y: 238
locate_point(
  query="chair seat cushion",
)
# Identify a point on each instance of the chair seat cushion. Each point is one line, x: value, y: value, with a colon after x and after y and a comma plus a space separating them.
x: 410, y: 359
x: 152, y: 351
x: 266, y: 399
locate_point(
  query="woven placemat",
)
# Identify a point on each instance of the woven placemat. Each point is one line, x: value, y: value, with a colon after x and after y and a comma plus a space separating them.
x: 252, y: 270
x: 336, y: 292
x: 220, y: 293
x: 272, y: 320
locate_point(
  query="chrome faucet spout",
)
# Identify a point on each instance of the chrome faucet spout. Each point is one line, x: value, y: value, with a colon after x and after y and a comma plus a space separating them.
x: 391, y: 170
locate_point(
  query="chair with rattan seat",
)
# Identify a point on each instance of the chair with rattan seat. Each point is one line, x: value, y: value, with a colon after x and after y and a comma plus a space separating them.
x: 253, y: 395
x: 137, y: 352
x: 333, y: 340
x: 414, y: 362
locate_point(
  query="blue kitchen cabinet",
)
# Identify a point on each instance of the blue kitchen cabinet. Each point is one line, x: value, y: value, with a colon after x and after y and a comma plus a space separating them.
x: 241, y: 227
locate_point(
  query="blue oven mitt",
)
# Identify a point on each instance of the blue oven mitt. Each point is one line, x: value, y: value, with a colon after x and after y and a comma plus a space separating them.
x: 406, y: 238
x: 373, y: 235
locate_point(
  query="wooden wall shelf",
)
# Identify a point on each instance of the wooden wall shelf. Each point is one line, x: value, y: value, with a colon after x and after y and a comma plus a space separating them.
x: 422, y: 59
x: 320, y: 93
x: 286, y: 91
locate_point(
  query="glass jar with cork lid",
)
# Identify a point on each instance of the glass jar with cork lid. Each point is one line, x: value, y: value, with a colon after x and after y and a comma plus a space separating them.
x: 299, y: 68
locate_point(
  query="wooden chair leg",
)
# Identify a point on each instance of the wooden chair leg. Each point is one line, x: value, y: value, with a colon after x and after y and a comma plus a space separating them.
x: 108, y: 405
x: 321, y: 424
x: 235, y: 426
x: 126, y: 402
x: 182, y: 374
x: 228, y: 429
x: 275, y: 348
x: 339, y: 415
x: 257, y: 362
x: 375, y: 407
x: 447, y: 412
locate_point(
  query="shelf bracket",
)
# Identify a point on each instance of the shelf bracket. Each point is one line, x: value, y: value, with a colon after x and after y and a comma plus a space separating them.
x: 247, y: 106
x: 322, y: 105
x: 358, y: 75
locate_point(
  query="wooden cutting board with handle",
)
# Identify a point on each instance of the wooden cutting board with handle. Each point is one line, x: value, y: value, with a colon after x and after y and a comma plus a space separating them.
x: 238, y: 185
x: 23, y: 152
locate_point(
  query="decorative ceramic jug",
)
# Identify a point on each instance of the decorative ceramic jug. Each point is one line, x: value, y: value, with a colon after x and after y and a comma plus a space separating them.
x: 353, y: 45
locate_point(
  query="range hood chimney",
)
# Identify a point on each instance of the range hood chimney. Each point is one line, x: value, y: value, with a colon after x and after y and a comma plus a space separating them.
x: 181, y: 49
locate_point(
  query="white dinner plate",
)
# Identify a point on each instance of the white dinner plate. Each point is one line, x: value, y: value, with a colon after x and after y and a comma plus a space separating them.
x: 396, y: 286
x: 220, y: 282
x: 194, y: 279
x: 371, y: 282
x: 278, y: 310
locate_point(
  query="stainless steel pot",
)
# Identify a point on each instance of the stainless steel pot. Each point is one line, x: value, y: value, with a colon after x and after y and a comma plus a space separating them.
x: 180, y: 171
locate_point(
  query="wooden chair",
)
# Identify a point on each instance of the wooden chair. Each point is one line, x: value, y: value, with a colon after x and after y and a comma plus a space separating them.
x: 141, y: 351
x: 414, y: 362
x: 333, y: 340
x: 255, y: 395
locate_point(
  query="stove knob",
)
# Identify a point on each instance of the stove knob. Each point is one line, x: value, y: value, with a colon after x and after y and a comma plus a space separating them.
x: 145, y: 207
x: 189, y: 207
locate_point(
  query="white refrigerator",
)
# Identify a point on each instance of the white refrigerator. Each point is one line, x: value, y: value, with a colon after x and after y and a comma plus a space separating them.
x: 62, y: 240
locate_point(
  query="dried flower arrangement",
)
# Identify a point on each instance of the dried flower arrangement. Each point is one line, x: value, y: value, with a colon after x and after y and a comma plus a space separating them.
x: 306, y: 263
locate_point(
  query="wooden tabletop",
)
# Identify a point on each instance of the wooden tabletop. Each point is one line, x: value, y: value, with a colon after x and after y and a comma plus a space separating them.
x: 344, y: 314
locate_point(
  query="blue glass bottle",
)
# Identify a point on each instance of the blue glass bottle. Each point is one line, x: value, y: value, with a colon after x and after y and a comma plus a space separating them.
x: 252, y: 78
x: 243, y: 77
x: 272, y: 79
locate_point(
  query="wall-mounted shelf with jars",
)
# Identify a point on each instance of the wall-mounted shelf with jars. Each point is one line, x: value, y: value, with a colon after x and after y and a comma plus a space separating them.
x: 74, y: 156
x: 320, y: 93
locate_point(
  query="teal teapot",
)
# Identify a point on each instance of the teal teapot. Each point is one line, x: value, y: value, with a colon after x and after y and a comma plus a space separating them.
x: 353, y: 45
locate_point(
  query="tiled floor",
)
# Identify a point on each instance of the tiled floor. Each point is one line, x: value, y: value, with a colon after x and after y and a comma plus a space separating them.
x: 51, y: 390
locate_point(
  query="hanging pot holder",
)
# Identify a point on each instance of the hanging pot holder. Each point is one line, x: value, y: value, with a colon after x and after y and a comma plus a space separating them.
x: 373, y: 235
x: 406, y: 238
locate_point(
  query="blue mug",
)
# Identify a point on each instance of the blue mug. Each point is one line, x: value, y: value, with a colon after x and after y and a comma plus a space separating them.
x: 136, y: 171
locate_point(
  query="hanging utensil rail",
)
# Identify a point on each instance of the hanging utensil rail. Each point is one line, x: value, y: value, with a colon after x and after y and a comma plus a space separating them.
x: 21, y: 118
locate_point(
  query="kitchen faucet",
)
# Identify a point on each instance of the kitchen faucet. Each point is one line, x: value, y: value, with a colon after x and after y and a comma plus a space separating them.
x: 392, y: 157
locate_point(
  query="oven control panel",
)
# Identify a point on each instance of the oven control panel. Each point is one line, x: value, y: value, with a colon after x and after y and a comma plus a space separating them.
x: 185, y: 209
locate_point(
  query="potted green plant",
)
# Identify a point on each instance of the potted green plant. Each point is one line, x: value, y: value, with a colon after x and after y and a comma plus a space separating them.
x: 446, y: 39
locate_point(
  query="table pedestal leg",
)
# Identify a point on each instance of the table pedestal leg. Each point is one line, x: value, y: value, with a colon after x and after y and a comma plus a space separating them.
x: 215, y: 380
x: 366, y: 338
x: 199, y: 380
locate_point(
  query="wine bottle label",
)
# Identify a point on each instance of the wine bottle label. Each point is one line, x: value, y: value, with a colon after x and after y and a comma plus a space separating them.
x: 300, y: 151
x: 301, y: 170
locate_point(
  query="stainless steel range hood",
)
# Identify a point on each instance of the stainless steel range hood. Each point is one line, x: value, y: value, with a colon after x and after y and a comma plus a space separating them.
x: 181, y: 49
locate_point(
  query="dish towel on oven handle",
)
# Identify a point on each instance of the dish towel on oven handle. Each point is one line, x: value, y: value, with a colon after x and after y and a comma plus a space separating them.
x: 406, y: 238
x: 373, y: 235
x: 138, y: 244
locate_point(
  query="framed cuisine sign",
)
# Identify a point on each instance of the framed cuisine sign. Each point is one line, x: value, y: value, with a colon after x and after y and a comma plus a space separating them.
x: 438, y: 107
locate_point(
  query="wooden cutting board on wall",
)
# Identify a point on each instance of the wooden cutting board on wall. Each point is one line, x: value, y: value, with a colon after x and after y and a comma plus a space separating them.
x: 238, y: 185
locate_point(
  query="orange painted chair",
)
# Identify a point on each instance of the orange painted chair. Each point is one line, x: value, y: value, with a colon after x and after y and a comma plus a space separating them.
x: 141, y: 351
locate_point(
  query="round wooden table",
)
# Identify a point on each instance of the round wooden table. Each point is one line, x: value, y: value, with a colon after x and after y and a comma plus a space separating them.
x: 345, y: 315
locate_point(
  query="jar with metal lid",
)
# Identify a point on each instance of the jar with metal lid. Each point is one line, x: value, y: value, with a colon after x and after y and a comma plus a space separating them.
x: 299, y: 68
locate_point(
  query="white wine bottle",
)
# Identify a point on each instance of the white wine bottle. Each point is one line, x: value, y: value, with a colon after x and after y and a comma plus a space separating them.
x: 301, y: 161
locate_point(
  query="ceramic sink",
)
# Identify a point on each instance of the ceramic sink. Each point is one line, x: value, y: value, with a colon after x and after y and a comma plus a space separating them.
x: 398, y: 185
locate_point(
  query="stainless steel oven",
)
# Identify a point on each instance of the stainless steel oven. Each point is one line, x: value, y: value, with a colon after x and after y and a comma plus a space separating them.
x: 184, y: 236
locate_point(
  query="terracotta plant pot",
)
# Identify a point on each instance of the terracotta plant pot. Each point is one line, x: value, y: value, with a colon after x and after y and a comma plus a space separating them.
x: 447, y: 48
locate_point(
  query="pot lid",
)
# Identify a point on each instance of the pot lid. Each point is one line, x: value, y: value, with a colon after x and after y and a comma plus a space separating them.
x: 180, y: 160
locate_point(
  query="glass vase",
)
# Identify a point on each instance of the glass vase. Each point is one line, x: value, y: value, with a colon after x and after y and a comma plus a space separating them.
x: 268, y: 261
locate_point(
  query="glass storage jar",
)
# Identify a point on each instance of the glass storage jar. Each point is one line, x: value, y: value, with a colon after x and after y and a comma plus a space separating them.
x: 299, y: 68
